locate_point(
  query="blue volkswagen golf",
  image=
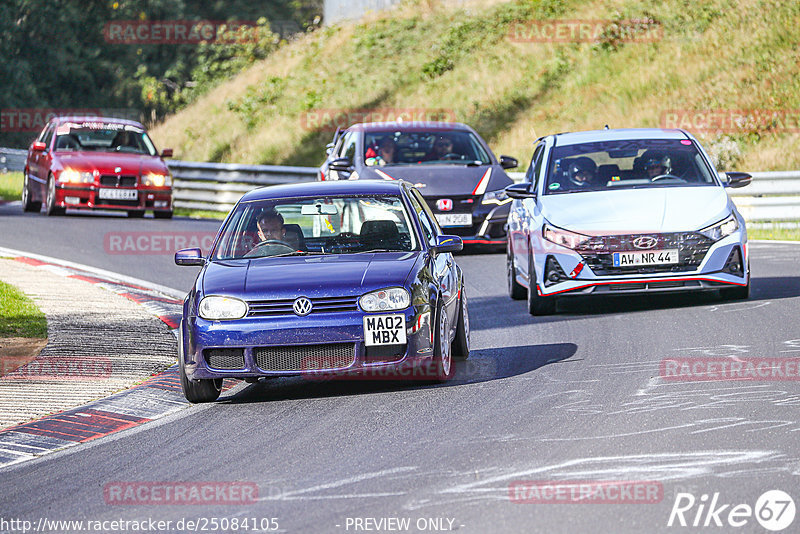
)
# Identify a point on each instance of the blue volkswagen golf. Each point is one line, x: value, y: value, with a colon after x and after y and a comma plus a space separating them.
x: 333, y: 279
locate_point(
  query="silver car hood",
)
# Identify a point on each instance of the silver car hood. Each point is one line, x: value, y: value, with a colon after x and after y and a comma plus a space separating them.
x: 627, y: 211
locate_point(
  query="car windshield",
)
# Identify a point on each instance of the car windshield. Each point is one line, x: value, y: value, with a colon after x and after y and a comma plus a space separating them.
x: 639, y: 163
x: 307, y: 226
x: 423, y: 148
x: 102, y: 136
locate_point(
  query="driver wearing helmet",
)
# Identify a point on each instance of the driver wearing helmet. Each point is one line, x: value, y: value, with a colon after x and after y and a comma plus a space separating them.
x: 657, y: 165
x: 581, y: 172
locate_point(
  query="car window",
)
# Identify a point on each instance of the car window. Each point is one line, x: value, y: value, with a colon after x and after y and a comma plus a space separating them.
x: 330, y: 225
x: 427, y: 220
x: 47, y: 135
x: 535, y: 167
x: 103, y: 136
x: 424, y: 147
x: 349, y: 146
x: 635, y: 163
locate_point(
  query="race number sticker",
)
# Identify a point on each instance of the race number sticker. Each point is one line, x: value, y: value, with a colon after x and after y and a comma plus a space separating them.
x: 384, y: 329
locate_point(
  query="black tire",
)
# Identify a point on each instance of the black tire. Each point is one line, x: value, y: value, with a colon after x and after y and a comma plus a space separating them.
x: 736, y: 293
x: 162, y: 214
x: 27, y: 203
x: 538, y: 305
x: 135, y: 214
x: 515, y: 290
x: 442, y: 349
x: 195, y: 391
x: 51, y: 209
x: 460, y: 346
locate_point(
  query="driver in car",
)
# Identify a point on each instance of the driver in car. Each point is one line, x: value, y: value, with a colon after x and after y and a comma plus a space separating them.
x: 270, y: 226
x: 657, y: 166
x: 442, y: 146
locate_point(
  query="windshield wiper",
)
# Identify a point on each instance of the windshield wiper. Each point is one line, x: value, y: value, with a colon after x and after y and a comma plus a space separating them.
x: 295, y: 253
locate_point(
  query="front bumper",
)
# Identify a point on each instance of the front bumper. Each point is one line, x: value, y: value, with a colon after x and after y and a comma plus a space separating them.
x: 308, y: 343
x: 574, y: 276
x: 88, y: 197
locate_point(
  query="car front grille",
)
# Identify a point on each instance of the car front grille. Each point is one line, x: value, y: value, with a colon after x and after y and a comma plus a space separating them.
x: 224, y: 358
x: 112, y: 180
x: 598, y: 252
x: 270, y: 308
x: 305, y: 357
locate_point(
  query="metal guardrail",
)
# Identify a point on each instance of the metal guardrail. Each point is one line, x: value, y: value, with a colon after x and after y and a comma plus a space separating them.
x: 12, y: 159
x: 772, y: 196
x: 217, y: 186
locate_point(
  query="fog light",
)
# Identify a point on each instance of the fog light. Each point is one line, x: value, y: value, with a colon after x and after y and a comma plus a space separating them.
x: 734, y: 263
x: 160, y: 204
x: 72, y: 200
x: 553, y: 273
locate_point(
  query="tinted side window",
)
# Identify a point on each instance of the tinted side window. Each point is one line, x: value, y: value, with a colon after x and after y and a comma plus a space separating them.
x: 349, y: 147
x: 48, y: 135
x: 421, y: 208
x: 536, y: 165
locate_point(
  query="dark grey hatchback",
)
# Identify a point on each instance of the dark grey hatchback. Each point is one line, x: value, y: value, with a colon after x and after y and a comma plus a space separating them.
x: 452, y: 166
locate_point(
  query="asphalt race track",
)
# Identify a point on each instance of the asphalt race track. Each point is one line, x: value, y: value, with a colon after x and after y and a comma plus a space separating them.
x: 573, y: 397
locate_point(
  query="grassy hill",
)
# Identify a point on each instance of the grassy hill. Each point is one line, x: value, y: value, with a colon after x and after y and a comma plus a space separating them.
x: 457, y: 57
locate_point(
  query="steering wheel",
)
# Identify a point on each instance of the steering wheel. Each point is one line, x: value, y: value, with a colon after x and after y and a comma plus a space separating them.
x: 266, y: 243
x: 452, y: 155
x: 666, y: 176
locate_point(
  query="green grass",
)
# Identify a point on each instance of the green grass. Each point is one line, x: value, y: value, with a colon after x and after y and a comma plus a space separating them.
x: 776, y: 233
x: 19, y: 316
x: 11, y: 186
x: 424, y: 55
x: 199, y: 214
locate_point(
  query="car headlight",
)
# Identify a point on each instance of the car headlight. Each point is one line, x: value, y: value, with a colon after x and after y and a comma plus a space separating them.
x: 562, y: 237
x: 724, y: 228
x: 76, y: 177
x: 496, y: 197
x: 393, y: 298
x: 157, y: 180
x: 217, y: 308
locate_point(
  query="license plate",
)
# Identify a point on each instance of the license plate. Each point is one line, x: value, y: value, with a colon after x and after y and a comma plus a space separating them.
x: 118, y: 194
x: 384, y: 329
x: 651, y: 257
x: 454, y: 219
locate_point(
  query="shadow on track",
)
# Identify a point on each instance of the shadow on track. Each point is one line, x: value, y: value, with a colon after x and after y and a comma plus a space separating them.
x: 482, y: 366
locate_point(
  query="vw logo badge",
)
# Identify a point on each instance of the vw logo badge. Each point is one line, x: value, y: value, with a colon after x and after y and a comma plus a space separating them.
x: 645, y: 241
x: 302, y: 306
x: 444, y: 204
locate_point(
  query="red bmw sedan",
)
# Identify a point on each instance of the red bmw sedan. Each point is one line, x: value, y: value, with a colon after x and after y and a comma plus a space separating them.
x: 97, y: 163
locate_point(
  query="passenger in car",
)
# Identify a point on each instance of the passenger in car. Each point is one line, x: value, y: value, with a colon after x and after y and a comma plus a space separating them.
x: 442, y: 146
x: 383, y: 155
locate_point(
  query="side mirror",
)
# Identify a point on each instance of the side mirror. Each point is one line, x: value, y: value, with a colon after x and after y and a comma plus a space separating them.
x: 39, y: 146
x: 520, y: 190
x: 189, y: 256
x: 329, y: 148
x: 341, y: 164
x: 737, y: 179
x: 507, y: 162
x: 448, y: 243
x: 166, y: 153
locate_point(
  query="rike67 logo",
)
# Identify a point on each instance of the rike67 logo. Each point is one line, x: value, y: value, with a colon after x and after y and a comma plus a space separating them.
x: 774, y: 510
